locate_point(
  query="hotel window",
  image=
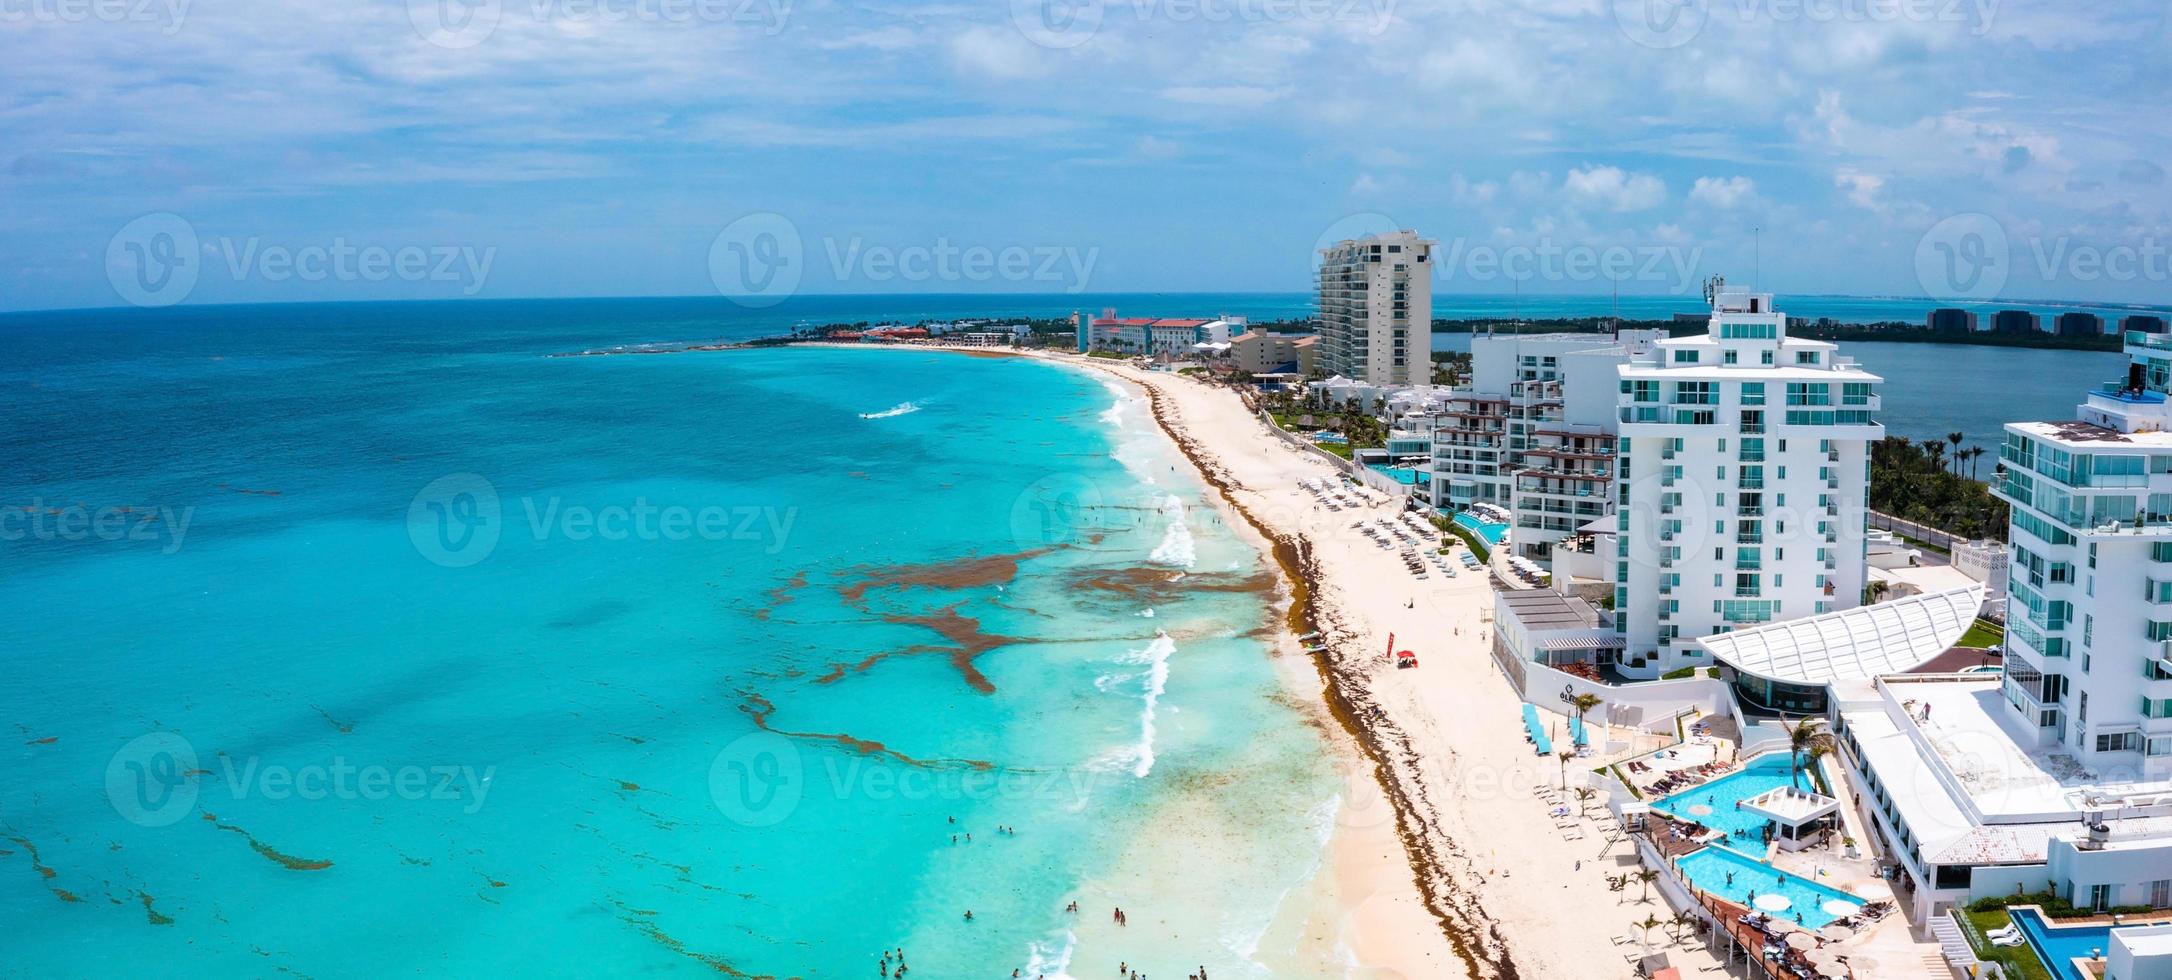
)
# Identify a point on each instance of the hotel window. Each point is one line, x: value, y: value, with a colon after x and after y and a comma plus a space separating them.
x: 2160, y: 891
x: 2119, y: 742
x: 1753, y: 393
x: 1806, y: 357
x: 1685, y: 357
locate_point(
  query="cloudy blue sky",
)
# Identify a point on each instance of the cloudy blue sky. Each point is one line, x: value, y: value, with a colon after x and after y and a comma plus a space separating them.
x: 572, y: 147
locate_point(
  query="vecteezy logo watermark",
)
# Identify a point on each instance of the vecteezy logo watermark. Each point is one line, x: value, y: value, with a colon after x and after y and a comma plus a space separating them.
x: 1059, y: 509
x: 466, y: 23
x: 1070, y: 23
x: 151, y: 781
x: 757, y: 780
x: 1673, y: 23
x: 761, y: 779
x: 1965, y: 257
x: 760, y: 260
x: 455, y: 23
x: 167, y: 14
x: 757, y: 260
x: 78, y: 522
x: 1673, y: 267
x: 455, y: 521
x: 154, y: 260
x: 155, y: 781
x: 341, y: 261
x: 157, y: 260
x: 1064, y: 267
x: 1661, y: 23
x: 458, y: 520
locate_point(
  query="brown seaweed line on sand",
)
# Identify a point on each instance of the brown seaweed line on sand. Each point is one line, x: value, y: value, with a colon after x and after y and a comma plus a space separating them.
x: 1469, y: 930
x: 270, y: 853
x: 760, y: 709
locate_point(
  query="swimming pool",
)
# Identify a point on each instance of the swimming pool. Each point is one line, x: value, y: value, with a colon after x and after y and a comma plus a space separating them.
x: 1489, y: 531
x: 2057, y: 946
x: 1744, y: 880
x: 1713, y: 804
x: 1400, y: 474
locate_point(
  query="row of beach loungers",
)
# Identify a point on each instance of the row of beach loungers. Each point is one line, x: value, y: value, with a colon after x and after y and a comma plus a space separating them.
x: 1680, y: 779
x: 1334, y: 496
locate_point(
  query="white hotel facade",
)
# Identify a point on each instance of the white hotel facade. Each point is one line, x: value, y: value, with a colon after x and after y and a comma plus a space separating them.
x: 1534, y: 432
x: 1742, y: 472
x: 1376, y: 309
x: 2089, y: 638
x: 2058, y: 773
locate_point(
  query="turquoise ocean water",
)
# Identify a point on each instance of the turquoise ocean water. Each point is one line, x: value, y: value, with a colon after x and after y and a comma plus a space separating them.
x: 444, y: 655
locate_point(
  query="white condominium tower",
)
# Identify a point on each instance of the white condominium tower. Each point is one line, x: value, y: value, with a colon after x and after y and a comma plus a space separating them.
x: 1741, y: 483
x: 1533, y: 432
x: 1376, y: 309
x: 2089, y: 616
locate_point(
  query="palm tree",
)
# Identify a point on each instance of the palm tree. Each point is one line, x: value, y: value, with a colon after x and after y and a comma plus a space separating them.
x: 1646, y: 877
x: 1955, y: 438
x: 1974, y: 453
x: 1646, y: 925
x: 1583, y: 798
x: 1936, y: 449
x: 1584, y: 703
x: 1680, y: 919
x: 1565, y: 755
x: 1806, y: 741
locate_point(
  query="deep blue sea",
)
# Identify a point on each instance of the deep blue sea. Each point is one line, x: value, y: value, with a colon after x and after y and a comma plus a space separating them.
x: 363, y: 640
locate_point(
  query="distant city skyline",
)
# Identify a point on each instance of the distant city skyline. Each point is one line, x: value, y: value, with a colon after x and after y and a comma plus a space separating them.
x: 432, y: 150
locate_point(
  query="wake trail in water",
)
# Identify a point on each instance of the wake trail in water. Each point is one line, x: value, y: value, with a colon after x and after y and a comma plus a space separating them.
x: 902, y: 408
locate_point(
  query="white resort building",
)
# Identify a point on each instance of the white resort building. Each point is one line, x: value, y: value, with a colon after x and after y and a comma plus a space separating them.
x: 1741, y: 485
x: 1376, y: 309
x: 2057, y: 774
x: 1533, y: 432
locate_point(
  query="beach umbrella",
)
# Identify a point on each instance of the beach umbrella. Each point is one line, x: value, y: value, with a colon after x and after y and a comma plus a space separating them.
x: 1802, y: 941
x: 1774, y: 903
x: 1839, y: 908
x: 1779, y: 927
x: 1836, y: 933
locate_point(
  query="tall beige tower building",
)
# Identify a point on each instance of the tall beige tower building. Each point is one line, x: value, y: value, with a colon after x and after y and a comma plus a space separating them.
x: 1376, y: 309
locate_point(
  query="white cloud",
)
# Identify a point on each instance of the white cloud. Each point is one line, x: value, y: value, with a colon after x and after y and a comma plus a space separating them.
x: 999, y: 54
x: 1724, y: 193
x: 1615, y: 189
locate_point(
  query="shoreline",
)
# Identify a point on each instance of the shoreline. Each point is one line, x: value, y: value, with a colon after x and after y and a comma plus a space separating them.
x: 1460, y: 926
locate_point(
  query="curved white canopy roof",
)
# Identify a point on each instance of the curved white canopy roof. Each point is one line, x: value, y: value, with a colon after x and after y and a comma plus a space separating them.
x: 1853, y: 644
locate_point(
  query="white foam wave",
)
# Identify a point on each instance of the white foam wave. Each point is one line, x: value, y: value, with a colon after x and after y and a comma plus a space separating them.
x: 1046, y: 959
x: 1148, y: 612
x: 901, y: 408
x: 1176, y: 547
x: 1156, y: 657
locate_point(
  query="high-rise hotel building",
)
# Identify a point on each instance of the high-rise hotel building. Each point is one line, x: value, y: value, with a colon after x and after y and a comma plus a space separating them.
x: 1376, y: 309
x: 1741, y: 483
x: 2089, y: 615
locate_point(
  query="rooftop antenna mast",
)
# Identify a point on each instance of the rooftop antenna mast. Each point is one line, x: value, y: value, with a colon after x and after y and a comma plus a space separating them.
x: 1757, y: 259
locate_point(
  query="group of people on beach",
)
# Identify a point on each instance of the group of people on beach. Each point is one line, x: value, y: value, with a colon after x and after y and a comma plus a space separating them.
x: 1125, y: 971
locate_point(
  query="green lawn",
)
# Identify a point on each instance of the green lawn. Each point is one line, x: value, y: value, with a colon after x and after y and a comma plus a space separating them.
x: 2020, y: 962
x: 1983, y: 633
